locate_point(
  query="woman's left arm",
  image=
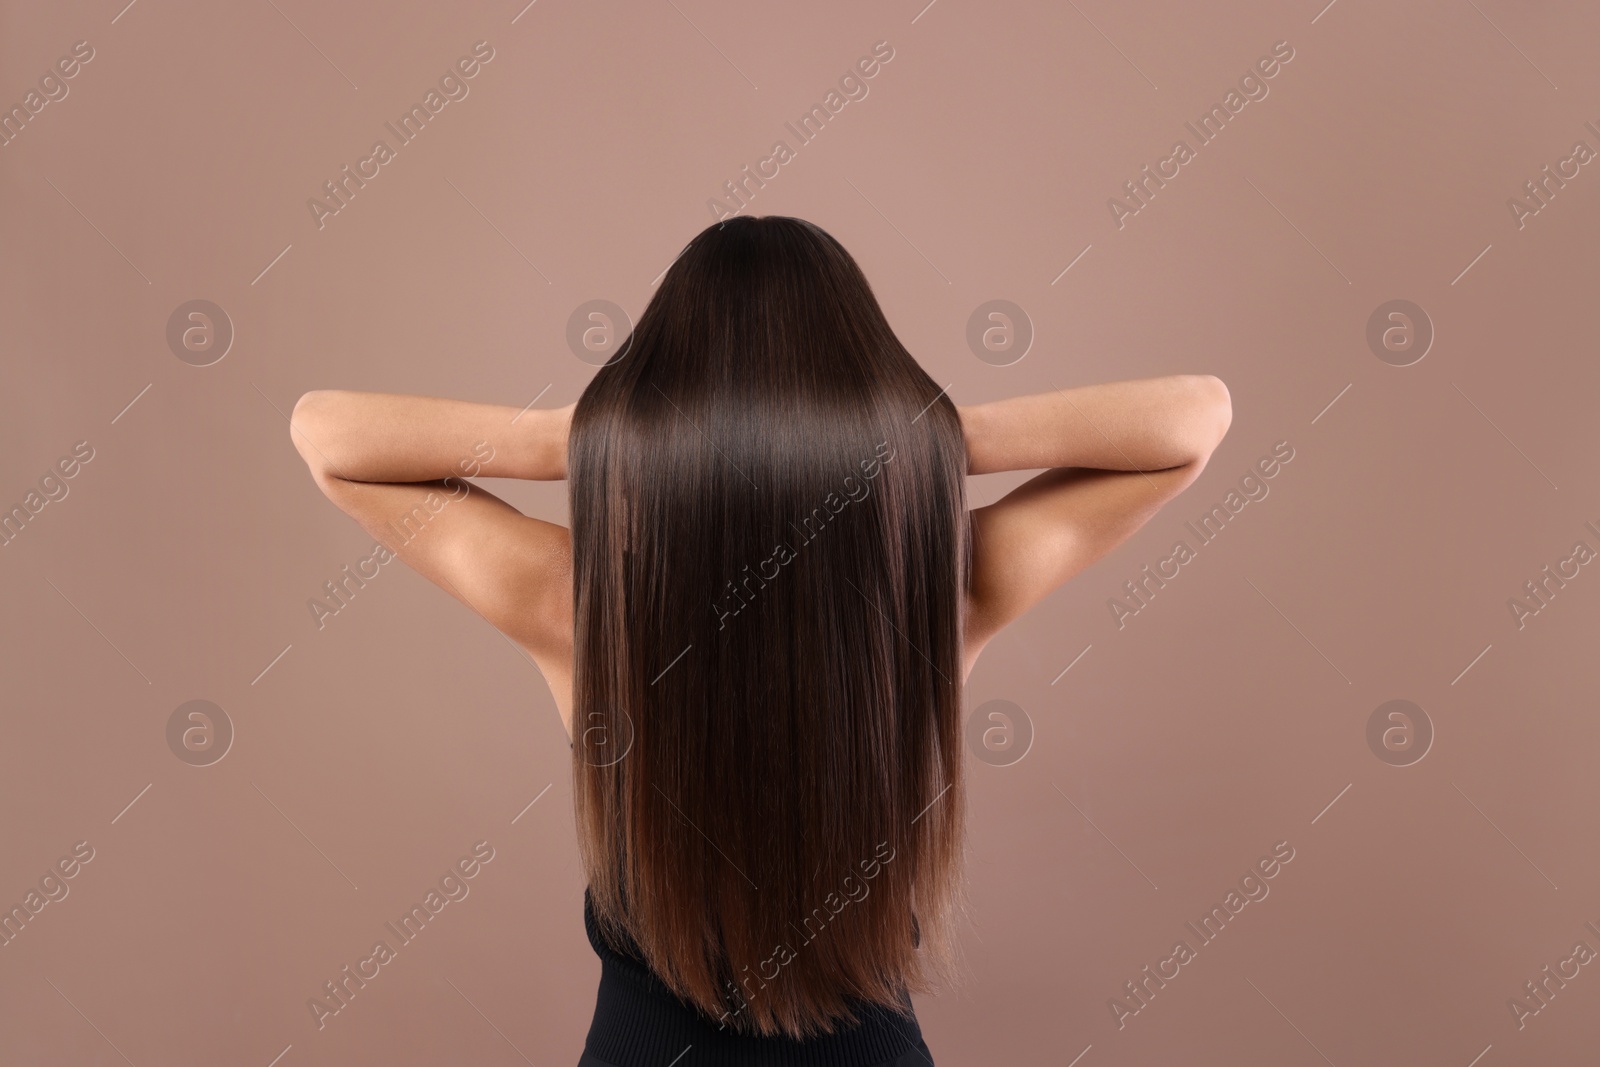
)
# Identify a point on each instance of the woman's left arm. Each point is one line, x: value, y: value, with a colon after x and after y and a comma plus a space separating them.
x: 390, y: 437
x: 398, y: 465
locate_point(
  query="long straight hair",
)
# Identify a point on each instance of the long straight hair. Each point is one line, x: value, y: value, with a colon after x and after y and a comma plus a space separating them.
x: 770, y: 560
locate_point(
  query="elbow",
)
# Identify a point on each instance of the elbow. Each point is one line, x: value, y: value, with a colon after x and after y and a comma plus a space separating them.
x: 1210, y: 415
x: 311, y: 405
x: 308, y: 428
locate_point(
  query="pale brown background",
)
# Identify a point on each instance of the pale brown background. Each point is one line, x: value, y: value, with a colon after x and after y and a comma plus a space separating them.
x: 1228, y: 716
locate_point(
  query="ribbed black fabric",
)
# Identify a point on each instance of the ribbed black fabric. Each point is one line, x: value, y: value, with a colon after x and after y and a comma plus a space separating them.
x: 639, y: 1022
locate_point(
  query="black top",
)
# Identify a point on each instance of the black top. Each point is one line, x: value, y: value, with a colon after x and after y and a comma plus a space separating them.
x: 639, y: 1022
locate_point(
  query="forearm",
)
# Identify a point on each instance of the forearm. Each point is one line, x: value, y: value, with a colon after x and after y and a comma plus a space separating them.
x: 1145, y: 424
x: 389, y: 437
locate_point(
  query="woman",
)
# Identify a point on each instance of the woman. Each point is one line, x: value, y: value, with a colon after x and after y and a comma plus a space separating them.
x: 758, y: 629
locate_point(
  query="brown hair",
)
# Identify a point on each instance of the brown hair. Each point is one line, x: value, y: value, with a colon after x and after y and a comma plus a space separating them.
x: 770, y: 556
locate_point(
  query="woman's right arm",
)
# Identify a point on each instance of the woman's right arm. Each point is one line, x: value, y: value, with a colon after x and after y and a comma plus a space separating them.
x: 1116, y: 452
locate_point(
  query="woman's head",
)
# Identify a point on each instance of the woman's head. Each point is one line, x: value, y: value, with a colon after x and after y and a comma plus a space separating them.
x: 770, y: 558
